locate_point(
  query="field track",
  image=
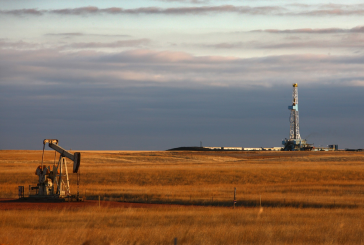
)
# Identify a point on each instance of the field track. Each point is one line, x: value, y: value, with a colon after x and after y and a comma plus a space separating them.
x: 16, y: 204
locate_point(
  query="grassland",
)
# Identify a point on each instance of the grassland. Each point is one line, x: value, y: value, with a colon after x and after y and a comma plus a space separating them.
x: 306, y: 197
x: 196, y: 225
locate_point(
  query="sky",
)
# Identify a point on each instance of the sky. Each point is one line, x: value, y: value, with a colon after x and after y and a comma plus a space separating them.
x: 154, y: 75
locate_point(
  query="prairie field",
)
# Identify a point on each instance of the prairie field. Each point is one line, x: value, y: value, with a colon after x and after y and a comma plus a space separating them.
x: 282, y: 198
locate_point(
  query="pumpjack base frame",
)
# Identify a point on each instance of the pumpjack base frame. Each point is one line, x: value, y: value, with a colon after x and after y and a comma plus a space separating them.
x: 38, y: 198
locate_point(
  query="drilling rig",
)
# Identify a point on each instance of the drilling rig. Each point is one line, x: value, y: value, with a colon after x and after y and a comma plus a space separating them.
x: 53, y: 181
x: 295, y: 143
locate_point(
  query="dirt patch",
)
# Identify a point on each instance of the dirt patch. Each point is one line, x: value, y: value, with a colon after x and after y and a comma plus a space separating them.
x: 16, y: 204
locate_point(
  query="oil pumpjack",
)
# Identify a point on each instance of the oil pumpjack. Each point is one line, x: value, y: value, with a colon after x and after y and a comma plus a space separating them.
x: 295, y: 143
x: 53, y: 181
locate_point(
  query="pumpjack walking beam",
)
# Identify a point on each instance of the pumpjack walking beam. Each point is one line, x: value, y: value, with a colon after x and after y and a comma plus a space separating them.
x: 76, y: 157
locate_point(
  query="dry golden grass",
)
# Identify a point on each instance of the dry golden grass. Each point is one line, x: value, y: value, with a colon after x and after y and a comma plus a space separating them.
x: 280, y: 179
x: 197, y: 225
x: 308, y: 177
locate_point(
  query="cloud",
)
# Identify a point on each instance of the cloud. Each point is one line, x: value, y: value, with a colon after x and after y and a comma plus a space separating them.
x: 66, y: 34
x: 151, y: 10
x: 85, y: 34
x: 188, y: 1
x: 117, y: 44
x: 18, y: 12
x: 198, y: 10
x: 352, y: 41
x: 87, y: 113
x: 225, y: 45
x: 358, y: 29
x: 176, y: 69
x: 334, y: 10
x: 132, y: 99
x: 21, y: 45
x: 285, y: 10
x: 346, y: 43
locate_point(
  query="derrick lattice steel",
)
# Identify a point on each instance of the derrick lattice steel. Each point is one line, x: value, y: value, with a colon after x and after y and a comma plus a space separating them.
x: 294, y: 118
x: 295, y: 143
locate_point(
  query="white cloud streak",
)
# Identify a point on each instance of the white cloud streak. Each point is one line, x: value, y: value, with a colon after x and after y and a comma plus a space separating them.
x: 79, y: 34
x: 347, y: 41
x: 21, y: 45
x: 117, y: 44
x: 188, y: 1
x: 358, y: 29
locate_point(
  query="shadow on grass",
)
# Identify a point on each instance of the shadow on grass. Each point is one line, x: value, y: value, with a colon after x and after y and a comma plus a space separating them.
x: 152, y: 199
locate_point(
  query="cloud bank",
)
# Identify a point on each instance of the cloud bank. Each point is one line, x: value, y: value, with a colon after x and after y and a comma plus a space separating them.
x: 285, y: 10
x: 141, y: 67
